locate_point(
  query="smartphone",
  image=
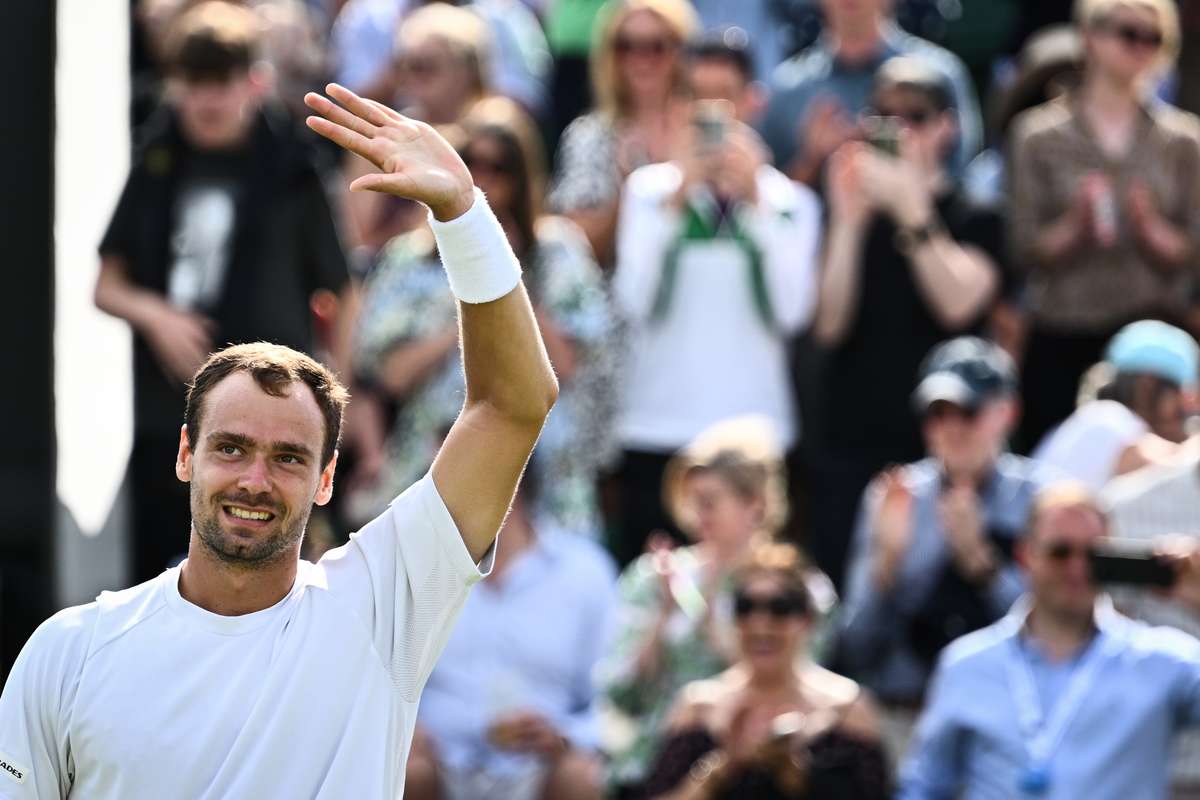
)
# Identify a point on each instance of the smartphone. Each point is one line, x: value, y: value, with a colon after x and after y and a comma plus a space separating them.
x: 1132, y: 562
x: 711, y: 120
x: 883, y: 133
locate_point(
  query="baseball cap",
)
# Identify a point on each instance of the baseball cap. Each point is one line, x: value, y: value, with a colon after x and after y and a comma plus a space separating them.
x: 1155, y: 348
x: 967, y: 371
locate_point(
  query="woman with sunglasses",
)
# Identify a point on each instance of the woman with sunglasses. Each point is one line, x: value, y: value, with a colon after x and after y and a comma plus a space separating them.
x: 1105, y: 189
x: 726, y: 491
x: 640, y: 117
x: 774, y: 726
x: 407, y: 335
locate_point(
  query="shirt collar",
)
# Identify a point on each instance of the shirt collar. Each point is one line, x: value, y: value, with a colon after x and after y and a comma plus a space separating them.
x: 1108, y: 622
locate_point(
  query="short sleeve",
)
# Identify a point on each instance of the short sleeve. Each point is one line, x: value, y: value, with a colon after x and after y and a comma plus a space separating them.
x: 119, y: 237
x: 407, y: 573
x: 324, y: 251
x: 36, y: 705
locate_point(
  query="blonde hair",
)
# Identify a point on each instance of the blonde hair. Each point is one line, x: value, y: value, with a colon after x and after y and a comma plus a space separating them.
x: 745, y: 453
x: 1090, y: 13
x: 462, y: 31
x: 611, y: 98
x: 1062, y: 495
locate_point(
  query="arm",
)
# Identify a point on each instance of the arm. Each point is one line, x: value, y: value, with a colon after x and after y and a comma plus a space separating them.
x: 933, y: 770
x: 841, y: 263
x: 956, y: 280
x: 649, y: 223
x: 409, y: 363
x: 510, y: 385
x: 181, y: 340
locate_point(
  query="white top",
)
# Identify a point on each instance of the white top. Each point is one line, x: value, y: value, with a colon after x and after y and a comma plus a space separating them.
x: 141, y: 694
x: 711, y: 356
x: 1089, y: 443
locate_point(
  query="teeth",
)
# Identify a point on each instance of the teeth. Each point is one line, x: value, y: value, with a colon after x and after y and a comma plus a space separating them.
x: 242, y: 513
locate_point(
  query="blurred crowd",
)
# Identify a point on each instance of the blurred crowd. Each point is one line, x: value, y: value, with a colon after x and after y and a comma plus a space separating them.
x: 853, y: 365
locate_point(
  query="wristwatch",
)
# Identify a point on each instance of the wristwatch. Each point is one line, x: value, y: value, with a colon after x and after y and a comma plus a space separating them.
x: 909, y: 239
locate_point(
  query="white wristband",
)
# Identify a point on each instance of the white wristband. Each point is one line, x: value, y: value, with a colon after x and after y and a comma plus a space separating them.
x: 476, y: 255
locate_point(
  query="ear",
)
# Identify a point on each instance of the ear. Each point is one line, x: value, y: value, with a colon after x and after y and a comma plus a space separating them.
x: 325, y: 487
x: 754, y: 102
x: 1021, y: 551
x: 183, y: 461
x: 945, y: 130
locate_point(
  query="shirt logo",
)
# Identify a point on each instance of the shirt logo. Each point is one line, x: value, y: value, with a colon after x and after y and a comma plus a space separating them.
x: 10, y: 768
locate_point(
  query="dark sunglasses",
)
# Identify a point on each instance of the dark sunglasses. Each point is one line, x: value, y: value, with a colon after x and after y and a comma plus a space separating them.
x: 1064, y: 551
x: 1134, y: 35
x: 422, y: 67
x: 915, y: 117
x: 779, y: 606
x: 940, y: 409
x: 657, y: 46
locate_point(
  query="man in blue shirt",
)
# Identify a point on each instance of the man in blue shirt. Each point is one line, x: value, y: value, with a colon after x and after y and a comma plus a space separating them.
x: 509, y: 710
x: 932, y: 549
x: 1063, y: 698
x: 817, y: 95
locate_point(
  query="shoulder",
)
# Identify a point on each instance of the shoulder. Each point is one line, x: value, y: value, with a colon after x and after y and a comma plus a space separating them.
x: 1026, y: 473
x: 1176, y: 124
x: 800, y: 71
x: 1041, y: 122
x: 588, y: 565
x: 936, y: 56
x: 588, y: 127
x: 697, y: 703
x: 1160, y: 643
x: 785, y: 194
x: 968, y: 653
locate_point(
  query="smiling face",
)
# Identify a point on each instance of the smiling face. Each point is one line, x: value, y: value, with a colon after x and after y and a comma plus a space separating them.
x: 647, y: 53
x: 255, y: 471
x: 1127, y: 43
x: 772, y: 622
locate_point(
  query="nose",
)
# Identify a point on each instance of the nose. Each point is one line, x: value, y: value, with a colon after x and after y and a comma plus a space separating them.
x: 255, y: 479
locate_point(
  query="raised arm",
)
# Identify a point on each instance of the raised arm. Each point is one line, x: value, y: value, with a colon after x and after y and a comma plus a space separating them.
x: 510, y: 384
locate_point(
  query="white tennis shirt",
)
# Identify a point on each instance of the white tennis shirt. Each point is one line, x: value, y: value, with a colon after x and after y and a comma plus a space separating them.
x: 143, y: 695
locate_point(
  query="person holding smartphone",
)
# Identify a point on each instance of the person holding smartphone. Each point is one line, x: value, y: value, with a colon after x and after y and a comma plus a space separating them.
x: 1063, y: 698
x: 716, y: 271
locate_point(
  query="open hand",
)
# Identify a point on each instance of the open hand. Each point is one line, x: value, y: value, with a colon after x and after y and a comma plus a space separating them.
x: 893, y: 525
x: 181, y: 340
x: 413, y: 159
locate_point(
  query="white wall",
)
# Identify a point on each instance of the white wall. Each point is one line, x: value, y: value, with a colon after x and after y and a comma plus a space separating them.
x: 92, y: 361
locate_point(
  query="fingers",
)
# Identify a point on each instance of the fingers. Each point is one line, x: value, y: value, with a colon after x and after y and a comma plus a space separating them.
x: 338, y: 115
x: 357, y: 105
x: 351, y: 140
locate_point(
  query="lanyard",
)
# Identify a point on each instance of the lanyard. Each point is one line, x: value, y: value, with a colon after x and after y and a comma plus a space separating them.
x: 1043, y: 732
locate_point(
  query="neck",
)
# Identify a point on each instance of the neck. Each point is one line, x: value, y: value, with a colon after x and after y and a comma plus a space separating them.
x: 857, y: 40
x: 723, y: 553
x: 773, y: 682
x: 1110, y: 97
x: 650, y: 106
x: 231, y: 591
x: 1062, y: 634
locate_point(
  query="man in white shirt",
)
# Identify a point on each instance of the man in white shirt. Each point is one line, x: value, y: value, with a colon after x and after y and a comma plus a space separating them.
x: 245, y: 672
x: 716, y: 271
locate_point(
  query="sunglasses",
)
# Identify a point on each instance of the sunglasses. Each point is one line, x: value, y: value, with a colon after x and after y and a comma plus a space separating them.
x: 915, y: 117
x: 941, y: 409
x: 656, y: 47
x: 779, y: 606
x: 1062, y: 552
x: 422, y: 67
x: 1134, y: 35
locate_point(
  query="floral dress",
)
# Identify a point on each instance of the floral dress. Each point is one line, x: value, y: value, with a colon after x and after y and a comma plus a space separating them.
x: 408, y: 298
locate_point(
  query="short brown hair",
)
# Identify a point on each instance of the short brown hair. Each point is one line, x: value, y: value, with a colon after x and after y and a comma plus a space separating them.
x: 213, y: 41
x: 274, y: 368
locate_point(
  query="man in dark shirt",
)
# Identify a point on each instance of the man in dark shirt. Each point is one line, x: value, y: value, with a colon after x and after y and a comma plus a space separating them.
x: 222, y: 234
x: 908, y: 263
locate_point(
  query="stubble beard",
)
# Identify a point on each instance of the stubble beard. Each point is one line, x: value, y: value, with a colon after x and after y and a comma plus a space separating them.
x: 258, y: 553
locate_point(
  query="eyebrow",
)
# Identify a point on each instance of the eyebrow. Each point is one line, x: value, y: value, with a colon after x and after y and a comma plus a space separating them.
x: 242, y: 440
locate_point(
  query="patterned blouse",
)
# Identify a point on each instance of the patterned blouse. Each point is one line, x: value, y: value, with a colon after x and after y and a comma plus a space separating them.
x: 588, y: 175
x: 1097, y: 289
x: 408, y: 298
x: 688, y: 653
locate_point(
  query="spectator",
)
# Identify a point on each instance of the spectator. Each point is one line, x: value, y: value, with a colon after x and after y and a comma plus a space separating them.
x: 222, y: 234
x: 932, y: 552
x: 716, y: 263
x: 1063, y: 698
x: 908, y: 263
x: 1154, y: 502
x: 640, y: 115
x: 763, y: 23
x: 509, y: 709
x: 817, y: 95
x: 1105, y: 186
x: 1138, y: 415
x: 441, y: 70
x: 726, y: 490
x: 774, y: 725
x: 362, y: 45
x: 521, y: 63
x: 406, y: 339
x: 1047, y: 67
